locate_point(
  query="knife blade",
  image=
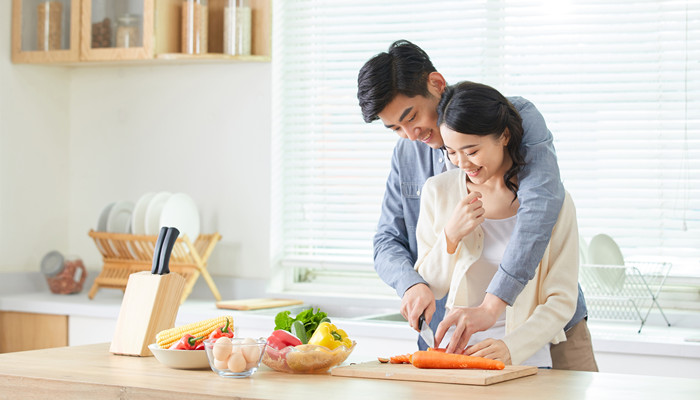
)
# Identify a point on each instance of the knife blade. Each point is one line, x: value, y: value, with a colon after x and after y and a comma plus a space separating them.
x: 425, y: 332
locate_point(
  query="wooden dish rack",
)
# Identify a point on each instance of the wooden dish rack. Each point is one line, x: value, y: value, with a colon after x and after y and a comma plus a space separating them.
x: 125, y: 254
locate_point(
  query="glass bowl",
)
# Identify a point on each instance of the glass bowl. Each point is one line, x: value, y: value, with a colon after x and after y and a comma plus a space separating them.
x: 305, y: 358
x: 240, y: 360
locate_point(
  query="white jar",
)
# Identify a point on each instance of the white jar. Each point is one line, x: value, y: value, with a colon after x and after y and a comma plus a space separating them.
x: 238, y: 22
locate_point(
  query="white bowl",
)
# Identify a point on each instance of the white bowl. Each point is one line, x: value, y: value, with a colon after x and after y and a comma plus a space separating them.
x: 180, y: 359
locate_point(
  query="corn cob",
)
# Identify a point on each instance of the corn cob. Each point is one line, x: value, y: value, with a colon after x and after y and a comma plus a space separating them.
x: 167, y: 337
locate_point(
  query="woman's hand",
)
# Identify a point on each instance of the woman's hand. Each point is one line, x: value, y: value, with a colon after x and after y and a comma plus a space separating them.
x: 468, y: 321
x: 490, y: 348
x: 467, y: 215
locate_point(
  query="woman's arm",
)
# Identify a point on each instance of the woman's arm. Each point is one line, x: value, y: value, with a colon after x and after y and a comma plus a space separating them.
x: 434, y: 263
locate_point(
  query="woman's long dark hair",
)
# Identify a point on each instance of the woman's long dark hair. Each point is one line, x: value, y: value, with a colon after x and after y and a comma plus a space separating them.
x: 477, y: 109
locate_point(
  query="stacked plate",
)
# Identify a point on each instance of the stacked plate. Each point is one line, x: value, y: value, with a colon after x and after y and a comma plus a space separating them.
x: 152, y: 211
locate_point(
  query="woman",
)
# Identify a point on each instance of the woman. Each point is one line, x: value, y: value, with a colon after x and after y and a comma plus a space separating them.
x: 466, y: 218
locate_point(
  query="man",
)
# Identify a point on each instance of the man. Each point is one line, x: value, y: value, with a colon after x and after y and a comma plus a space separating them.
x: 402, y: 88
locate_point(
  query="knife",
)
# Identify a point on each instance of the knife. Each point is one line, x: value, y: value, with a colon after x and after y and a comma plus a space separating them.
x: 166, y: 250
x: 425, y: 332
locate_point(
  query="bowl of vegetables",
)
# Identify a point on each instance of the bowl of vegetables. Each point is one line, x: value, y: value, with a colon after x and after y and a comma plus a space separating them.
x: 183, y: 347
x: 309, y: 343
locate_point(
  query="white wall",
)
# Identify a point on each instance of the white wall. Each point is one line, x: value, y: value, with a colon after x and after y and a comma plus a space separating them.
x: 199, y: 129
x: 34, y: 162
x: 73, y: 140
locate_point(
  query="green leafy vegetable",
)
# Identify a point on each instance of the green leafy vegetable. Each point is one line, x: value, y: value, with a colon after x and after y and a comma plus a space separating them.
x: 308, y: 318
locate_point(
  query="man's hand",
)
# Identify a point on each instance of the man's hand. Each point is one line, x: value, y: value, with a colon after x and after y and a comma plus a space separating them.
x: 490, y: 348
x: 416, y: 300
x: 467, y: 215
x: 469, y: 320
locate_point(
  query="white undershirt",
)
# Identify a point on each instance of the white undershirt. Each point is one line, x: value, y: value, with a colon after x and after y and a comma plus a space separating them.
x: 497, y: 234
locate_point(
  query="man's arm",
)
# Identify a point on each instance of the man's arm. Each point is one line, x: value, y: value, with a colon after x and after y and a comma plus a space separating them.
x: 393, y: 260
x: 541, y: 195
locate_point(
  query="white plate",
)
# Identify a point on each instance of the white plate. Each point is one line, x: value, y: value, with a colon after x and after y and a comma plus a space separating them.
x: 155, y: 206
x: 603, y: 250
x: 138, y: 217
x: 180, y: 359
x: 181, y: 212
x: 119, y: 220
x: 102, y: 220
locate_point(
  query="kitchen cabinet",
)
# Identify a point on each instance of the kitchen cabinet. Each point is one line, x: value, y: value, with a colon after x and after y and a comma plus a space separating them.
x: 28, y: 331
x: 90, y: 32
x: 45, y: 31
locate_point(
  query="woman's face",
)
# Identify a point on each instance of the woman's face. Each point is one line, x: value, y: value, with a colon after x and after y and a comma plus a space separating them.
x: 483, y: 158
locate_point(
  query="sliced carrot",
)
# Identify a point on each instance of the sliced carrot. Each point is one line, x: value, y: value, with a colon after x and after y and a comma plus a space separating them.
x: 437, y: 359
x: 400, y: 359
x: 440, y: 349
x: 383, y: 360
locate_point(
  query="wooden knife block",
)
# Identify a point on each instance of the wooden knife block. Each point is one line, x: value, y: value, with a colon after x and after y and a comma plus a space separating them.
x: 149, y: 306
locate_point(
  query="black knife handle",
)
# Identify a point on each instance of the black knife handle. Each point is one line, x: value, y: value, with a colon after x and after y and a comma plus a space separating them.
x: 168, y: 244
x: 421, y: 320
x: 156, y: 250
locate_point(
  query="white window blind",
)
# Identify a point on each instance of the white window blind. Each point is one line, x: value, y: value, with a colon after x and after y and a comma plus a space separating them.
x: 617, y: 82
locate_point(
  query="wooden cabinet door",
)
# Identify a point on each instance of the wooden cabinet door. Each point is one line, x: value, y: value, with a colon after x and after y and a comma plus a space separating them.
x: 96, y: 45
x: 45, y: 31
x: 21, y: 331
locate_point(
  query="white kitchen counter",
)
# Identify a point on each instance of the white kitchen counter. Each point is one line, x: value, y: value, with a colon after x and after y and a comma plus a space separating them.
x: 657, y: 350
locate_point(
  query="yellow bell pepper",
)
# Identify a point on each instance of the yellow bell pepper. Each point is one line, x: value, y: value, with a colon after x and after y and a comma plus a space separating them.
x: 327, y: 335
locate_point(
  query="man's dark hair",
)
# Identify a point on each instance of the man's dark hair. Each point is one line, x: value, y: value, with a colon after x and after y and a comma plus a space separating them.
x: 403, y: 69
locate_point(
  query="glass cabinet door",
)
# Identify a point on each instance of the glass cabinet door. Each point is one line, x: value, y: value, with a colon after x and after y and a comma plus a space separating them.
x: 116, y: 30
x: 45, y: 30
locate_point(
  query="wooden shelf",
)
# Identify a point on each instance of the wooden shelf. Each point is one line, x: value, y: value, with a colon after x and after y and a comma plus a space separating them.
x: 124, y: 254
x: 161, y: 27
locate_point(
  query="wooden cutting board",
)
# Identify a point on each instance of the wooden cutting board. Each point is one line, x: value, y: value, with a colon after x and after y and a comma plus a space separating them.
x: 407, y: 372
x: 256, y: 304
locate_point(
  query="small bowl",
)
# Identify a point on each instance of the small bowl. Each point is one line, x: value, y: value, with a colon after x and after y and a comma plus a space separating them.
x: 180, y: 359
x: 250, y: 351
x: 306, y: 358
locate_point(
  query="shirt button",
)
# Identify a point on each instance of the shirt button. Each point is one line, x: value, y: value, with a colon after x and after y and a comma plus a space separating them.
x: 440, y: 159
x: 418, y: 193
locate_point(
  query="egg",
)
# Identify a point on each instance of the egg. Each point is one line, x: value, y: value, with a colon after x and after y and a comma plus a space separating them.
x: 219, y: 364
x: 236, y: 363
x: 251, y: 350
x: 222, y: 349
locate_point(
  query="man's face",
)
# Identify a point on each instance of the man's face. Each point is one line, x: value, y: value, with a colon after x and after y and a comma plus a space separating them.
x: 414, y: 118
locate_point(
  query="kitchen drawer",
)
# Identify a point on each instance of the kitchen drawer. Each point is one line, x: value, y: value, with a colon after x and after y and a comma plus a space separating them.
x: 28, y: 331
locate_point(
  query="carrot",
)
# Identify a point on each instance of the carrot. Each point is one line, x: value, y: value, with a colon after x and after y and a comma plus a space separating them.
x: 383, y: 360
x: 400, y: 359
x: 437, y: 359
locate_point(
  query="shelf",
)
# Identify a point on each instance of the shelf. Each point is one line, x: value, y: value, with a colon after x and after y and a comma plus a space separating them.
x: 80, y: 27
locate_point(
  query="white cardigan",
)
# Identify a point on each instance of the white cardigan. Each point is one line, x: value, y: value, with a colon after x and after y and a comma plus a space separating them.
x: 547, y: 302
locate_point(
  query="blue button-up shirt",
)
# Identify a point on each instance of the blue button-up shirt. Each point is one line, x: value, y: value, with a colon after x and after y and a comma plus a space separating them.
x: 540, y: 193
